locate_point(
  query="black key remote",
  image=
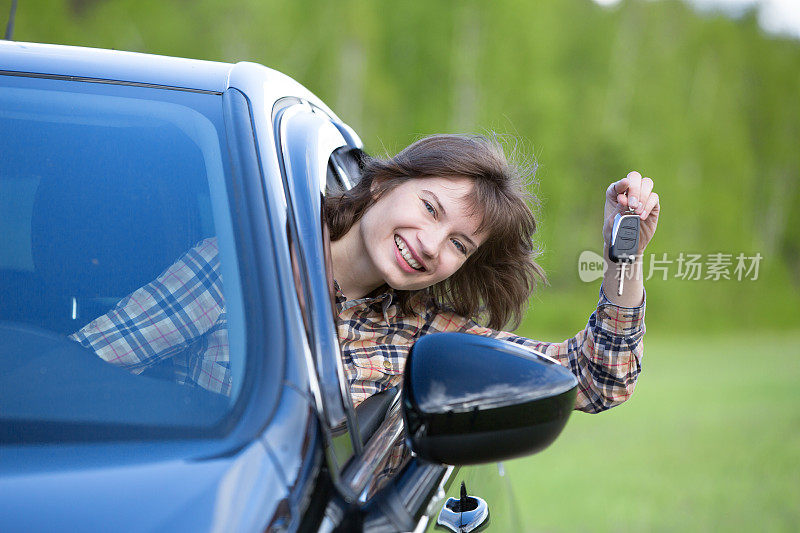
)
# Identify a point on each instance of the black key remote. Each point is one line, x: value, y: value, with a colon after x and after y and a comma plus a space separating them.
x: 624, y: 243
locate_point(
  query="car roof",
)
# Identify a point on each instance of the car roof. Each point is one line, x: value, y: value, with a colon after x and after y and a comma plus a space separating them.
x: 129, y: 67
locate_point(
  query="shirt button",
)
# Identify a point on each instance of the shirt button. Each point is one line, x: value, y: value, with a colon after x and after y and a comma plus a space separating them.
x: 387, y: 364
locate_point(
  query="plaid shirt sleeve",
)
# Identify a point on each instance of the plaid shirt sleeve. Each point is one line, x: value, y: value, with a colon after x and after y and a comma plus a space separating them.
x: 605, y: 357
x: 163, y: 317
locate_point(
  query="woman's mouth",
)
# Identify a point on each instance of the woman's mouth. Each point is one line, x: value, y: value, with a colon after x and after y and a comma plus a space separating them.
x: 405, y: 254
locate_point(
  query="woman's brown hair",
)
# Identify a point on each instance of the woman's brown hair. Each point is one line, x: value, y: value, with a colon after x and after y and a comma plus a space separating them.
x: 495, y: 282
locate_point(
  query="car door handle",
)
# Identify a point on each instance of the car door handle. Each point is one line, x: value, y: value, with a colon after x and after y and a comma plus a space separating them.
x: 464, y: 514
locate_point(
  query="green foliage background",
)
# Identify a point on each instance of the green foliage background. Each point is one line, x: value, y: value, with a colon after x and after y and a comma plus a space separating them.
x: 706, y: 105
x: 709, y: 107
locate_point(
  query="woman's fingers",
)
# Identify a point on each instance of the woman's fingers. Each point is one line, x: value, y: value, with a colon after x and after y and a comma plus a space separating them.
x: 634, y: 189
x: 646, y: 188
x: 652, y: 206
x: 632, y: 192
x: 616, y: 189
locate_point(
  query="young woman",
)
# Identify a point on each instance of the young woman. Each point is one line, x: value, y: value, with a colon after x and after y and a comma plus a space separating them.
x: 439, y: 238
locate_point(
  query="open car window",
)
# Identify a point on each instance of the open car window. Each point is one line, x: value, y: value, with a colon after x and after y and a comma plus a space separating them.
x: 320, y: 156
x: 380, y: 424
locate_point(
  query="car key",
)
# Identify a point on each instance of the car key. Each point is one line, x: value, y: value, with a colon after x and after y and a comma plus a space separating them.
x: 624, y: 243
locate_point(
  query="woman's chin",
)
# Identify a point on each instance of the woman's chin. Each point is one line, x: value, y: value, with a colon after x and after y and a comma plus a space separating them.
x: 406, y: 282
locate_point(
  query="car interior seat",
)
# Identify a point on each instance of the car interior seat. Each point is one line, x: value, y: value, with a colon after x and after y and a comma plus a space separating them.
x: 109, y: 215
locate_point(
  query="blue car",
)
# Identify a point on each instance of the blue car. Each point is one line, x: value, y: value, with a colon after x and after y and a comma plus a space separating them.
x: 168, y: 350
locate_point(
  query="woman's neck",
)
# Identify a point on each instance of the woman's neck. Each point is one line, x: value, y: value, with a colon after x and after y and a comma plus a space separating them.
x: 352, y: 268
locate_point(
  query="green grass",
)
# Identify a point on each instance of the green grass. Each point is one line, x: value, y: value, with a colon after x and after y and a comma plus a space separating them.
x: 710, y: 441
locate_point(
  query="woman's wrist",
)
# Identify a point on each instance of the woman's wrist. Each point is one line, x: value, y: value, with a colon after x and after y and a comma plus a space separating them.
x: 633, y: 283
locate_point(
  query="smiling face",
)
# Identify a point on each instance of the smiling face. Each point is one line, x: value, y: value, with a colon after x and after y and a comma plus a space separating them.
x: 420, y: 232
x: 389, y: 229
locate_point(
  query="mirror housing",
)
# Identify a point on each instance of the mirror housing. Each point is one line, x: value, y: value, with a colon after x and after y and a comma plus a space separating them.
x: 469, y: 399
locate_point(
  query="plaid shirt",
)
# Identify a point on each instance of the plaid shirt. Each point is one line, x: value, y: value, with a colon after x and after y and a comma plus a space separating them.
x: 376, y: 336
x: 179, y: 318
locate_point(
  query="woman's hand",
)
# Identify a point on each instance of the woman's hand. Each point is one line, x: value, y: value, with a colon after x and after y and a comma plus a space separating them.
x: 636, y: 192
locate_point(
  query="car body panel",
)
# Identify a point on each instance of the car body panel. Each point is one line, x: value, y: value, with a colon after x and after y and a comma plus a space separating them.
x: 81, y: 486
x: 126, y: 67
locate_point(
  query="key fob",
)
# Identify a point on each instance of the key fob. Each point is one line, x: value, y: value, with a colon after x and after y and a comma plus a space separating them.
x: 624, y: 238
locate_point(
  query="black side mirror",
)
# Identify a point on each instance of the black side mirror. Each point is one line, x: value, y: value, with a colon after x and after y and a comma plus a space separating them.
x: 469, y: 399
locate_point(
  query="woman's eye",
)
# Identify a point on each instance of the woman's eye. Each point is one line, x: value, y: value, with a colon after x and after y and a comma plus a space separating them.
x: 461, y: 248
x: 429, y: 207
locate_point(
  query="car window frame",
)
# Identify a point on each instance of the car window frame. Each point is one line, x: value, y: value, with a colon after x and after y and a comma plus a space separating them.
x: 305, y: 138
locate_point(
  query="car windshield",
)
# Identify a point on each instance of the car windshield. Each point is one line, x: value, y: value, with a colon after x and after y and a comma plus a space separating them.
x: 114, y: 321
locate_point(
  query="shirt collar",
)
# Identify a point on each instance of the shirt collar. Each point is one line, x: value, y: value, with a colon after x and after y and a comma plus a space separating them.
x: 383, y: 294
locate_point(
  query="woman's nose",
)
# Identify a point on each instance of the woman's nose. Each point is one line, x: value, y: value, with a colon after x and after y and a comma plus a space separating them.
x: 430, y: 242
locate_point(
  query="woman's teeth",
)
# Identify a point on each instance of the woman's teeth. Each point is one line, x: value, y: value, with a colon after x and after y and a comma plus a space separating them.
x: 406, y: 254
